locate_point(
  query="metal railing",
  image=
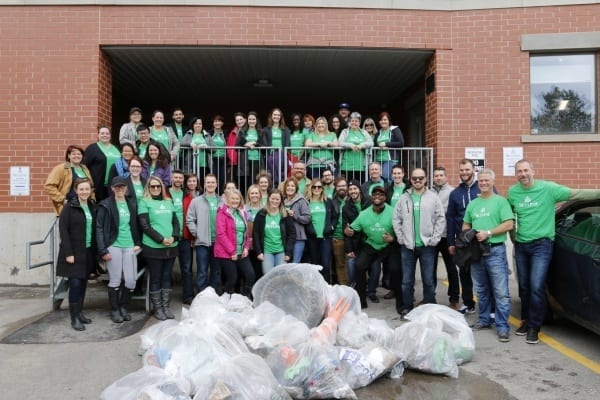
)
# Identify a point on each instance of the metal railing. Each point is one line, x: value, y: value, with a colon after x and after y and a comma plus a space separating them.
x: 278, y: 162
x: 58, y: 284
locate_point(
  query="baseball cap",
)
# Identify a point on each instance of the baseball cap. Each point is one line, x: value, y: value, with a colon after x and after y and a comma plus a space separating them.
x: 118, y: 181
x: 378, y: 189
x: 344, y: 105
x: 353, y: 183
x: 135, y: 109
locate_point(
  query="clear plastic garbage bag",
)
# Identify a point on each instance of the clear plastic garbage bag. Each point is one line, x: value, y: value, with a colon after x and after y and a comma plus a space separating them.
x: 337, y: 292
x: 265, y: 317
x: 353, y: 331
x: 309, y: 371
x: 425, y: 349
x: 148, y: 383
x: 298, y: 289
x: 243, y: 377
x: 149, y: 335
x: 288, y: 331
x: 442, y: 318
x: 363, y: 366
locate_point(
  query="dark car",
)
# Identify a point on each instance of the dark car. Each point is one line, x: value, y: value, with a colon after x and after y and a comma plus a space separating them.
x: 573, y: 283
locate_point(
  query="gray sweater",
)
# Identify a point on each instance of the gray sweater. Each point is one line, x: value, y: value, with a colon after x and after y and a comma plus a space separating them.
x: 432, y: 221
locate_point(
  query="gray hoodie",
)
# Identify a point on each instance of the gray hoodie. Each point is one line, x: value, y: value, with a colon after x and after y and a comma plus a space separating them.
x: 432, y: 222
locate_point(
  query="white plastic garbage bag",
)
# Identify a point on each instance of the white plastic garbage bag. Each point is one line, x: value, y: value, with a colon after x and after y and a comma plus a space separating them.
x: 425, y: 349
x: 148, y: 383
x: 298, y: 289
x: 243, y: 377
x: 289, y: 331
x: 363, y: 366
x: 149, y: 335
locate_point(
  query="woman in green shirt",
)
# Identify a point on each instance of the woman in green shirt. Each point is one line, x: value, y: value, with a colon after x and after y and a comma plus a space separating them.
x: 354, y: 142
x: 323, y: 224
x: 198, y: 140
x: 160, y: 227
x: 389, y: 137
x: 99, y: 157
x: 249, y: 157
x: 297, y: 139
x: 323, y: 142
x: 219, y: 159
x: 276, y: 136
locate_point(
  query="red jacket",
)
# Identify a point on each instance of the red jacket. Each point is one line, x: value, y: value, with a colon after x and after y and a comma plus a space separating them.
x: 226, y: 242
x: 232, y: 154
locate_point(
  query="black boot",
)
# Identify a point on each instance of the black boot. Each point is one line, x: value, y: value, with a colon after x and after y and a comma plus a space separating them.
x: 124, y: 303
x: 113, y: 299
x: 82, y: 317
x: 157, y: 306
x: 74, y: 310
x: 166, y: 302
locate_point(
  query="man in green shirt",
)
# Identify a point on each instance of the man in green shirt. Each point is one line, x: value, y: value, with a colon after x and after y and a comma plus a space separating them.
x: 185, y: 250
x: 490, y: 215
x: 533, y: 204
x: 375, y: 222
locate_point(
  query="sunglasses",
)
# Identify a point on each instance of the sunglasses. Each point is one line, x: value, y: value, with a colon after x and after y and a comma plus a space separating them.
x: 369, y: 125
x: 417, y: 178
x: 317, y: 187
x: 155, y: 187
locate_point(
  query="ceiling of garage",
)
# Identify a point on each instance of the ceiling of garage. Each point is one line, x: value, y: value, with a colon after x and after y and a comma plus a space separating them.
x: 258, y: 78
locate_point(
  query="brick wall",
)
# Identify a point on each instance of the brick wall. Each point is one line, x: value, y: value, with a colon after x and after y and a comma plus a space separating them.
x: 56, y: 83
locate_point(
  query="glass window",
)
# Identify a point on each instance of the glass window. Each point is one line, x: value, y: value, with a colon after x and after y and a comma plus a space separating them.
x: 563, y: 94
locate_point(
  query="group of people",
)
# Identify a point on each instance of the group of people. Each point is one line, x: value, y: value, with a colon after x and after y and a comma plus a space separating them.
x: 134, y: 206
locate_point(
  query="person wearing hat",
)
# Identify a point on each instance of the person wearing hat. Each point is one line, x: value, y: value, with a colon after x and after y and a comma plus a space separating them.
x: 118, y: 241
x: 344, y: 111
x: 128, y: 132
x: 375, y: 222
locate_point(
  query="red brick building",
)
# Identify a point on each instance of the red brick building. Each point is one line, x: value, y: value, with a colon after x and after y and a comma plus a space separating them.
x: 467, y: 83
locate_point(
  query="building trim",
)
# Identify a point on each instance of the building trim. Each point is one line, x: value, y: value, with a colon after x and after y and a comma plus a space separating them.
x: 430, y: 5
x: 560, y: 138
x: 571, y: 41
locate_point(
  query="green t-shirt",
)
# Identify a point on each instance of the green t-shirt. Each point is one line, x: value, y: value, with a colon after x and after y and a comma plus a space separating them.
x: 373, y: 225
x: 160, y: 215
x: 398, y: 190
x: 138, y: 188
x: 329, y: 191
x: 124, y: 237
x: 534, y: 208
x: 273, y: 241
x: 416, y: 198
x: 198, y: 139
x: 302, y: 186
x: 297, y: 139
x: 219, y: 144
x: 179, y: 131
x: 142, y: 149
x: 384, y: 136
x: 353, y: 160
x: 79, y: 172
x: 338, y: 233
x: 112, y: 154
x: 177, y: 196
x: 484, y: 214
x: 322, y: 154
x: 88, y: 225
x: 277, y: 137
x: 213, y: 203
x: 160, y: 136
x: 317, y: 216
x: 240, y: 231
x: 252, y: 136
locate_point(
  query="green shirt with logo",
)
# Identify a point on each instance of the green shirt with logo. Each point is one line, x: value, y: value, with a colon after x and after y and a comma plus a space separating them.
x: 88, y: 225
x: 353, y: 160
x: 160, y: 215
x: 484, y: 214
x: 317, y: 216
x: 273, y: 241
x: 124, y: 237
x: 177, y: 196
x: 219, y: 144
x: 374, y: 225
x: 297, y: 139
x: 252, y: 136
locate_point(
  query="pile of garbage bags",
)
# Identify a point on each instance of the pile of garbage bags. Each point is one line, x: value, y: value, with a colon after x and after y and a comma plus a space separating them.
x: 300, y: 339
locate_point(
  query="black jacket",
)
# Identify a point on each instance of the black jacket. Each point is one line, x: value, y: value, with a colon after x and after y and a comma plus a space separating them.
x: 72, y: 228
x: 331, y: 217
x: 349, y: 214
x: 107, y: 224
x: 288, y: 233
x: 469, y: 249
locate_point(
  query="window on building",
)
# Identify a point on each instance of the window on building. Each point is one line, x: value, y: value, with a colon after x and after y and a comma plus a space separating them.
x: 563, y: 94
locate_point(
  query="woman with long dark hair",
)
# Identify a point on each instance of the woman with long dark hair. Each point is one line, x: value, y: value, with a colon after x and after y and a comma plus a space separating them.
x: 219, y: 159
x: 121, y: 166
x: 157, y: 163
x: 76, y: 255
x: 198, y: 140
x: 388, y: 138
x: 158, y: 220
x: 276, y: 136
x: 249, y: 158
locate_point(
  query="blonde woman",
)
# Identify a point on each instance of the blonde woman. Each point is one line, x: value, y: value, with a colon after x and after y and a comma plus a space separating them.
x: 323, y: 219
x: 323, y: 142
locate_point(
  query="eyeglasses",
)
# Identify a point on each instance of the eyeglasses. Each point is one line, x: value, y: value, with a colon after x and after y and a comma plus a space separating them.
x: 417, y: 178
x: 317, y: 187
x: 135, y: 166
x: 369, y: 125
x: 155, y: 187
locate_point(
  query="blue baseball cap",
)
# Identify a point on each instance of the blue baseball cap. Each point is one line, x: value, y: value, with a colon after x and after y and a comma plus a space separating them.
x: 344, y: 105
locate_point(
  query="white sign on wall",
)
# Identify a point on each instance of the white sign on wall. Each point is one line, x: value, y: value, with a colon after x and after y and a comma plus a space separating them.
x: 477, y: 154
x: 510, y: 156
x: 19, y: 181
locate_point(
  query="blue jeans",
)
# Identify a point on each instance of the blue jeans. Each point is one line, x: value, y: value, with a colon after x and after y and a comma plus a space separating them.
x: 533, y: 260
x: 321, y: 253
x: 426, y: 256
x: 298, y: 251
x: 490, y: 275
x: 271, y: 261
x: 386, y: 170
x: 351, y: 269
x: 185, y: 264
x: 204, y: 259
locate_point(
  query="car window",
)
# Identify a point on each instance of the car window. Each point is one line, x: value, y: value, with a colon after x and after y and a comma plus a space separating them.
x: 579, y: 229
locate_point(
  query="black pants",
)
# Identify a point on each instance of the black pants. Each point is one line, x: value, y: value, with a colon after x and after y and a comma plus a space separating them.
x: 231, y: 269
x: 367, y: 256
x: 451, y: 271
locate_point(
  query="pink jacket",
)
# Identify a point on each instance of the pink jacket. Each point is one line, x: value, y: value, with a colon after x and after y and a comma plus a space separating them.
x: 226, y: 244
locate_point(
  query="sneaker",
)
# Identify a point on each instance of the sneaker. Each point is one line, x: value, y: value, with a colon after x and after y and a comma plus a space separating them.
x: 522, y: 330
x: 503, y: 336
x: 466, y: 310
x: 477, y: 326
x: 532, y: 336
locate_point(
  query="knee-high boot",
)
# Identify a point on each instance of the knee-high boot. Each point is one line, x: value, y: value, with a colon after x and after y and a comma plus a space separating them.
x: 82, y: 317
x: 157, y: 306
x: 124, y: 303
x: 113, y: 299
x: 166, y: 302
x: 74, y: 310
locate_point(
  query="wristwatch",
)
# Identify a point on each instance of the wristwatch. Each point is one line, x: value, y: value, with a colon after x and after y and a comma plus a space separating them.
x: 489, y: 233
